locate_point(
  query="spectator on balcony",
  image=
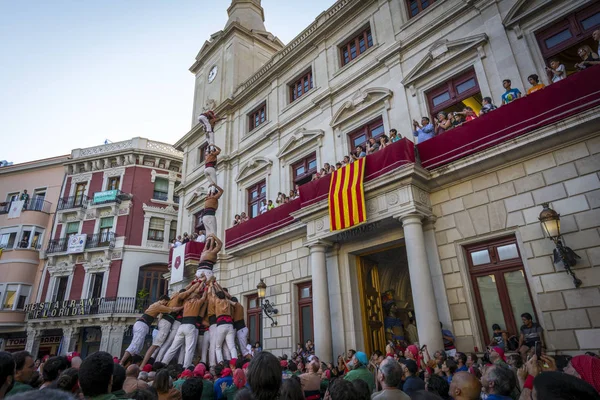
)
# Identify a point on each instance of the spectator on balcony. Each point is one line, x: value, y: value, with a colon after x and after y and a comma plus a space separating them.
x: 178, y: 241
x: 201, y: 236
x: 244, y: 217
x: 338, y: 165
x: 442, y: 123
x: 384, y: 141
x: 468, y: 114
x: 186, y: 238
x: 263, y: 207
x: 347, y: 160
x: 557, y: 69
x: 457, y: 119
x: 25, y: 198
x: 270, y: 205
x: 372, y: 146
x: 237, y: 220
x: 588, y: 56
x: 511, y: 94
x: 358, y: 153
x: 423, y: 131
x: 328, y: 168
x: 535, y: 83
x: 487, y: 106
x: 394, y: 137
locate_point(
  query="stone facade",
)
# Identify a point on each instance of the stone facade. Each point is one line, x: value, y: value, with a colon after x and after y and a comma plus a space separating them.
x: 488, y: 195
x: 506, y: 200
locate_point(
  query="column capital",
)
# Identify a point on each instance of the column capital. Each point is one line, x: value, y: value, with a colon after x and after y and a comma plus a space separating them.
x: 319, y: 245
x: 409, y: 219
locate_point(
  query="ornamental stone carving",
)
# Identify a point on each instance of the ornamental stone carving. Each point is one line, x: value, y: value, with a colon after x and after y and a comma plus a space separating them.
x: 62, y: 268
x: 163, y: 148
x: 114, y: 172
x: 106, y: 148
x: 81, y: 178
x: 97, y: 264
x: 392, y: 198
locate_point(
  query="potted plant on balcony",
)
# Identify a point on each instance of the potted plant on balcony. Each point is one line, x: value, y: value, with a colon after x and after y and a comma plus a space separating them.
x: 141, y: 300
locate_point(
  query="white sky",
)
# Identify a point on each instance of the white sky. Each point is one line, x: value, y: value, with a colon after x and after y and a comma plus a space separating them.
x: 74, y: 73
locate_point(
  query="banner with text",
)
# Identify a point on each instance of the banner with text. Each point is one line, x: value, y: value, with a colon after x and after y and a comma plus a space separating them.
x: 76, y: 243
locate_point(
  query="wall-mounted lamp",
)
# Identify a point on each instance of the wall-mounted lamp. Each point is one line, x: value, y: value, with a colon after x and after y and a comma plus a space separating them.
x: 550, y: 221
x: 266, y: 306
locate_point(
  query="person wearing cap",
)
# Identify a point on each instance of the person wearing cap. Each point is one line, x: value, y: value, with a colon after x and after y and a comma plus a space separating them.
x: 225, y: 376
x: 311, y: 381
x: 412, y: 382
x: 359, y: 362
x: 389, y: 376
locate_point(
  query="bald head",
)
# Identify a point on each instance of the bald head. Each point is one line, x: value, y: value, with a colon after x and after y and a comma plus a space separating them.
x: 76, y: 362
x: 465, y: 386
x: 132, y: 371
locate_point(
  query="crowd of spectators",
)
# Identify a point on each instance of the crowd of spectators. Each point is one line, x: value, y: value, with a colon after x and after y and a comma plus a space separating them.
x: 445, y: 121
x: 398, y: 374
x: 199, y: 236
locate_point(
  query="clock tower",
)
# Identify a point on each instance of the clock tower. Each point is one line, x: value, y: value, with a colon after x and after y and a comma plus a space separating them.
x: 232, y: 55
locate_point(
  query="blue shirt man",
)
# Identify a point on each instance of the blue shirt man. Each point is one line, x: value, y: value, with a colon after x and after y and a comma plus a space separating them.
x: 423, y: 132
x: 510, y: 94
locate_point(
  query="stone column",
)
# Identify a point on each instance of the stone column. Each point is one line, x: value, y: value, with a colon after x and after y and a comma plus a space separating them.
x: 145, y: 230
x: 70, y: 335
x: 166, y: 233
x: 171, y: 190
x: 320, y: 292
x: 116, y: 340
x: 33, y: 341
x: 105, y: 339
x: 428, y: 322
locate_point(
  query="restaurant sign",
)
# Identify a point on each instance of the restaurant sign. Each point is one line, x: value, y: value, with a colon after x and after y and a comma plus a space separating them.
x: 66, y: 308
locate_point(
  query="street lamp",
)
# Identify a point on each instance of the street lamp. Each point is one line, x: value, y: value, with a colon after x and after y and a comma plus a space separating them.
x: 550, y: 221
x: 266, y: 306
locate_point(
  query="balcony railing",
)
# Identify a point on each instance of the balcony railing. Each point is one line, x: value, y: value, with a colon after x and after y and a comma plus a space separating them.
x: 98, y: 240
x: 35, y: 204
x: 94, y: 306
x: 162, y: 196
x: 106, y: 239
x: 67, y: 203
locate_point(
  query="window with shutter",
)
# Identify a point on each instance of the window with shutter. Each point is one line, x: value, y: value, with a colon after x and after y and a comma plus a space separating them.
x: 156, y: 230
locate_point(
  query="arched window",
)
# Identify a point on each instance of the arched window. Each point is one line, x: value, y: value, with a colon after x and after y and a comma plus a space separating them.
x: 151, y: 281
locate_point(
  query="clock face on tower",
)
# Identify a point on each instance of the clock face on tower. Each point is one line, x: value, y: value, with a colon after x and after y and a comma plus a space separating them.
x: 212, y: 74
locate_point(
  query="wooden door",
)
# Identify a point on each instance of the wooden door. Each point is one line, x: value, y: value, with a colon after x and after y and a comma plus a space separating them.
x: 372, y: 312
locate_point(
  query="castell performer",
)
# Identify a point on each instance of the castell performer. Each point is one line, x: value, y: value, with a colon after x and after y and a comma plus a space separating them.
x: 208, y: 257
x: 167, y: 321
x: 210, y: 164
x: 211, y: 204
x: 209, y: 119
x: 142, y: 325
x: 187, y: 334
x: 240, y: 326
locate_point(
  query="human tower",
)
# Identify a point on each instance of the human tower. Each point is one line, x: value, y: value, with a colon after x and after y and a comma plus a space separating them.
x: 203, y: 317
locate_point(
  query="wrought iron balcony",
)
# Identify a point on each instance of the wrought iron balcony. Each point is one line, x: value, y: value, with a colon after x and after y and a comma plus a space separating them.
x: 35, y: 204
x: 93, y: 306
x: 106, y: 239
x: 98, y: 240
x: 67, y: 203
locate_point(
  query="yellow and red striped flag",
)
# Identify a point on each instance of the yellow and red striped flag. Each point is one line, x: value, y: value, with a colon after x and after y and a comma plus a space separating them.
x: 347, y: 197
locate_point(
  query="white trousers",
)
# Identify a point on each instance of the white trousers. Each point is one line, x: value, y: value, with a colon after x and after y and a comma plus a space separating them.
x: 140, y: 330
x: 164, y: 328
x: 242, y: 337
x: 165, y: 347
x: 210, y: 135
x: 211, y: 175
x: 212, y: 330
x: 205, y: 347
x: 187, y: 334
x: 210, y: 224
x: 208, y: 273
x: 227, y: 333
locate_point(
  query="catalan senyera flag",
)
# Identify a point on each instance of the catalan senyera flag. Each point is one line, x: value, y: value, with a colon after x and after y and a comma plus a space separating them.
x: 347, y: 197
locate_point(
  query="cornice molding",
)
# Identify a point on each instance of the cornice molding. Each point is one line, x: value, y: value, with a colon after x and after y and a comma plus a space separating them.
x: 362, y: 99
x: 255, y: 165
x: 300, y: 138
